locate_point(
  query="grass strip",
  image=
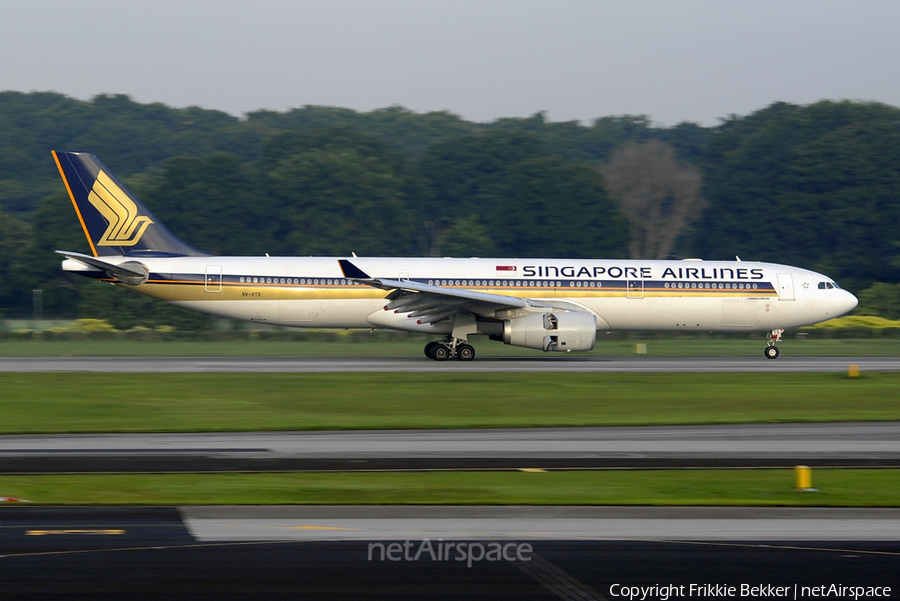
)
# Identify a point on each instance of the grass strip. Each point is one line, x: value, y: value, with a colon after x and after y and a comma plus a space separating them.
x: 845, y: 488
x: 91, y: 402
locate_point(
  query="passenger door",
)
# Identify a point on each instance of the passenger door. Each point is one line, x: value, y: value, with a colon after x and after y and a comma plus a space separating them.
x: 785, y: 287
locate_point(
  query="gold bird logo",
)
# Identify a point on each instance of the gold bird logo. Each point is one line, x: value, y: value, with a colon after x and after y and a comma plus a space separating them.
x: 125, y: 225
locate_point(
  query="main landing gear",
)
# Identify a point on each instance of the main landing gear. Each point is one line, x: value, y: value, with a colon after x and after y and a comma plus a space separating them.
x: 453, y: 347
x: 773, y: 338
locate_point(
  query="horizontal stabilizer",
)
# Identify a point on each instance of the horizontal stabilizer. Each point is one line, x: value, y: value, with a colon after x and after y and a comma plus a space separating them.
x: 130, y: 272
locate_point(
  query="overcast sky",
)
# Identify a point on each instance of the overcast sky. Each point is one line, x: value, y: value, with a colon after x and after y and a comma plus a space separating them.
x: 672, y: 60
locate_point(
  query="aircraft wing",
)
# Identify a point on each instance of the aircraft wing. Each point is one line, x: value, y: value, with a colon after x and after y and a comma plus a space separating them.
x: 431, y: 304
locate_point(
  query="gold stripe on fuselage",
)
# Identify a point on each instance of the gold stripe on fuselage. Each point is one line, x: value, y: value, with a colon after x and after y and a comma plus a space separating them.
x: 187, y: 290
x: 196, y: 291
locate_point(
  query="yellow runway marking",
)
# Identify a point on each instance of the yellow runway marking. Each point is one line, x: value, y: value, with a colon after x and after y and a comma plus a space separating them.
x: 48, y: 532
x: 531, y: 470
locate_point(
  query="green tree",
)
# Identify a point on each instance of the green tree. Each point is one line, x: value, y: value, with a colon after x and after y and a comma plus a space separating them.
x: 215, y: 203
x: 531, y: 202
x: 463, y: 176
x: 336, y: 192
x: 399, y: 128
x: 130, y: 137
x: 552, y: 208
x: 15, y: 235
x: 465, y: 237
x: 815, y: 186
x: 882, y: 300
x: 54, y: 227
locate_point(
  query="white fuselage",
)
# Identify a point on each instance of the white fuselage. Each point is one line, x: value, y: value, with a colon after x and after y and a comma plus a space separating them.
x: 623, y: 294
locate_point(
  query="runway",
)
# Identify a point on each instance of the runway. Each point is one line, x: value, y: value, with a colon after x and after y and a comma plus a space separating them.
x: 563, y: 364
x: 541, y: 523
x: 870, y: 444
x: 578, y: 553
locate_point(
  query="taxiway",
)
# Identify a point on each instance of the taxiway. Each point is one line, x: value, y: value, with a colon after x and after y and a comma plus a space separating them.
x: 869, y: 444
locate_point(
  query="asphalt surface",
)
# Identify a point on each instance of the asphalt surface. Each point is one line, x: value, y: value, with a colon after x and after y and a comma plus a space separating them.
x: 540, y: 363
x: 875, y: 444
x: 539, y: 552
x: 255, y: 553
x: 209, y: 524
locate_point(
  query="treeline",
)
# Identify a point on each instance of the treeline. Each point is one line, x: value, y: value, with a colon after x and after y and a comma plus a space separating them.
x: 815, y: 186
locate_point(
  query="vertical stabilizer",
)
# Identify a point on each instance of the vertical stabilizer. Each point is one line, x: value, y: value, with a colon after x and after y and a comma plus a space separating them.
x: 115, y: 222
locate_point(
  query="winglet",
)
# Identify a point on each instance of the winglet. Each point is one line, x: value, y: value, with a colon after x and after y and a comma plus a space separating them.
x: 352, y: 271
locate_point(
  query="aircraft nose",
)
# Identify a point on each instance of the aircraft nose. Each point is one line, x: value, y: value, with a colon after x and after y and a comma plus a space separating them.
x: 849, y: 302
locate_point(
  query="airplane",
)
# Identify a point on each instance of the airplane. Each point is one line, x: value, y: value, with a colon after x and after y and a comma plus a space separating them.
x: 541, y: 304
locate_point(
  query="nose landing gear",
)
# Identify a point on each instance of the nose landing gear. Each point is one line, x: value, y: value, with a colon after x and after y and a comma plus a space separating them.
x: 454, y: 347
x: 772, y: 338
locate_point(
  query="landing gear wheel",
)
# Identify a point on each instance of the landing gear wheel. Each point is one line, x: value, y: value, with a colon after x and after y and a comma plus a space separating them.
x: 440, y: 352
x: 465, y: 352
x: 771, y: 352
x: 429, y: 349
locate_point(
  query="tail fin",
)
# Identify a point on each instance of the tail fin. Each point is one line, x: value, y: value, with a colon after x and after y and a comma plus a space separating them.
x: 115, y: 222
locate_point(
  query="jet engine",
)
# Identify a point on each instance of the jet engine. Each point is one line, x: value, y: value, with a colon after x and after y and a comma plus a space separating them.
x: 552, y: 331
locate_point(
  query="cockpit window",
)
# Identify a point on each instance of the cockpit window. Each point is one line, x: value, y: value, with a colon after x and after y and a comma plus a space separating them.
x: 821, y: 286
x: 827, y: 286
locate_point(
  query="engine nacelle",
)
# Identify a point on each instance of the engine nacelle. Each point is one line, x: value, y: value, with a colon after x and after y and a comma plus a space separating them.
x: 552, y: 331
